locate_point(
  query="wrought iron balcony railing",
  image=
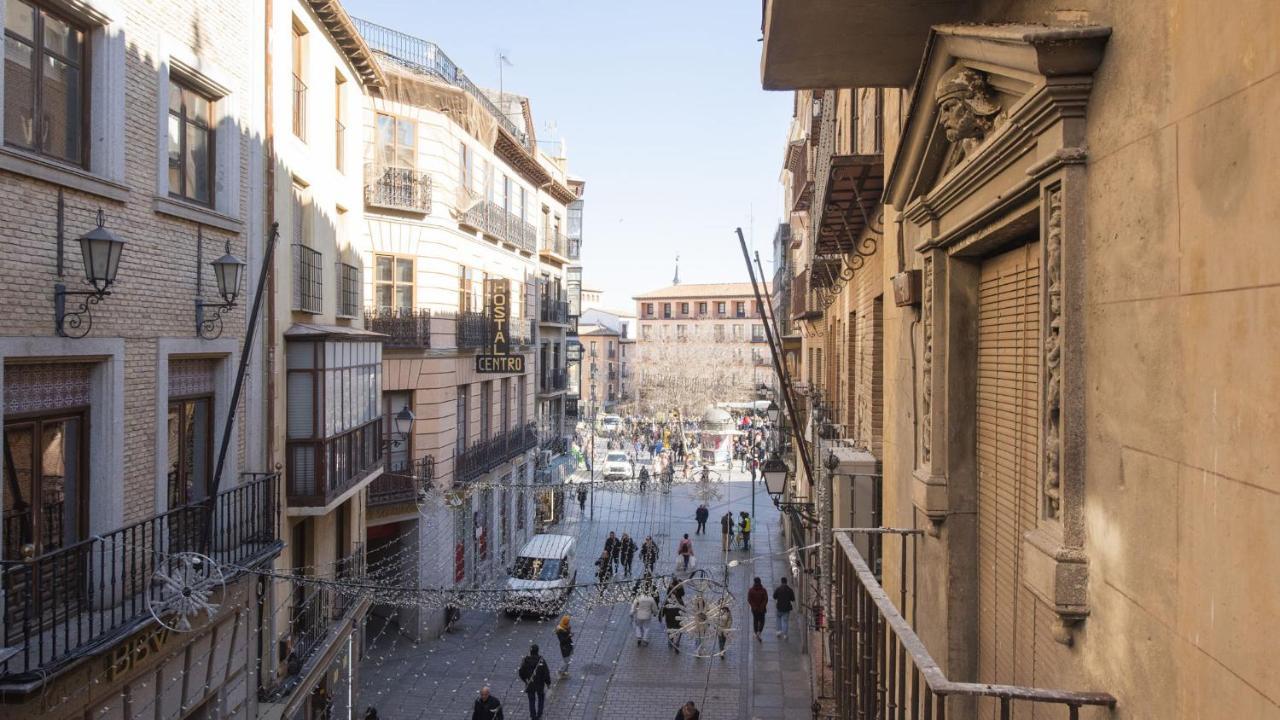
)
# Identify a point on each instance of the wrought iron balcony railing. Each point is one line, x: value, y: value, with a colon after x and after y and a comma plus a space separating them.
x: 404, y: 327
x: 397, y: 188
x: 473, y: 330
x: 308, y: 279
x: 555, y: 244
x: 494, y: 220
x: 554, y: 380
x: 62, y: 604
x: 483, y: 456
x: 321, y: 470
x: 403, y: 485
x: 571, y: 407
x: 554, y: 311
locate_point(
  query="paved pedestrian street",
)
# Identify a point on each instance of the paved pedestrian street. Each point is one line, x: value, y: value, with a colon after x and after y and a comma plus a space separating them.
x: 611, y: 676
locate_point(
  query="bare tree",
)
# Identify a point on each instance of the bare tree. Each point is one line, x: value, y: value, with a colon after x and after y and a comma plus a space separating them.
x: 692, y: 374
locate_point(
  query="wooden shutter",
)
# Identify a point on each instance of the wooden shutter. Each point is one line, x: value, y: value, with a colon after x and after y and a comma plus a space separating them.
x: 1008, y: 448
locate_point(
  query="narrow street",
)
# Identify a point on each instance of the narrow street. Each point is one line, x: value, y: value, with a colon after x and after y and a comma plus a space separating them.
x: 611, y: 677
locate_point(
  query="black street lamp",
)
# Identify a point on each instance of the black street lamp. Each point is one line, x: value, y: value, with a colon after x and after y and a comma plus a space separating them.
x: 775, y: 473
x: 101, y: 253
x: 772, y: 413
x: 227, y: 270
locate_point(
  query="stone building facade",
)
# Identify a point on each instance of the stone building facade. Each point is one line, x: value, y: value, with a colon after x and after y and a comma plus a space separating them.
x: 1057, y: 245
x: 121, y: 113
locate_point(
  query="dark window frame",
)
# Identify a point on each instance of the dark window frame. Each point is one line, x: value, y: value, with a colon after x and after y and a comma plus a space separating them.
x: 38, y: 54
x: 209, y: 127
x: 38, y: 419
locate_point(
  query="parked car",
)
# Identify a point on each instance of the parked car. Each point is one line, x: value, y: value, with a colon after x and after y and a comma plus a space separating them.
x: 617, y: 466
x: 542, y: 577
x: 610, y: 424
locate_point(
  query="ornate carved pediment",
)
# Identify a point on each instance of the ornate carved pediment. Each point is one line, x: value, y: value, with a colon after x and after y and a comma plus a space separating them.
x: 983, y: 95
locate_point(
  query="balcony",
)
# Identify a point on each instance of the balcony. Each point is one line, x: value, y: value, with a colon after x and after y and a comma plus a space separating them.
x: 497, y: 222
x: 553, y: 381
x: 555, y: 246
x: 78, y: 599
x: 571, y: 408
x: 397, y: 188
x: 882, y: 668
x: 319, y: 472
x: 308, y: 279
x: 402, y: 486
x: 482, y: 456
x: 408, y: 328
x: 554, y: 312
x: 472, y: 330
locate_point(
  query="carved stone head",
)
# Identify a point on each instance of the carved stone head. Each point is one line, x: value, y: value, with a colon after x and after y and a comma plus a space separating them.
x: 967, y: 105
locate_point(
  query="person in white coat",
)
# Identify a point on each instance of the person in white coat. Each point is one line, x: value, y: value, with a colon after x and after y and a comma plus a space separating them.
x: 643, y: 608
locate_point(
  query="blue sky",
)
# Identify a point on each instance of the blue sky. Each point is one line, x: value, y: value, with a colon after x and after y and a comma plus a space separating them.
x: 661, y: 109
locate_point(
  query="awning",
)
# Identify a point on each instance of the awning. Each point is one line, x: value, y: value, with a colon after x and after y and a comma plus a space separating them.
x: 851, y: 199
x: 308, y: 331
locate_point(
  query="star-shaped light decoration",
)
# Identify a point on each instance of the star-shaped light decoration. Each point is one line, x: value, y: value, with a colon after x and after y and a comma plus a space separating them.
x: 182, y: 588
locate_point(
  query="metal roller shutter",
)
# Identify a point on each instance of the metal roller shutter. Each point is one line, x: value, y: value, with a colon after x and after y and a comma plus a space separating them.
x: 1008, y: 448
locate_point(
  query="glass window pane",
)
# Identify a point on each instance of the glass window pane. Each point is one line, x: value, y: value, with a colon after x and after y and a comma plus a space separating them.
x: 61, y: 38
x: 19, y: 93
x: 404, y: 297
x: 384, y: 296
x: 197, y: 164
x: 405, y: 135
x: 60, y: 134
x: 175, y: 97
x: 384, y: 268
x: 175, y: 154
x: 197, y: 108
x: 300, y: 402
x: 20, y: 19
x: 386, y: 131
x: 404, y: 270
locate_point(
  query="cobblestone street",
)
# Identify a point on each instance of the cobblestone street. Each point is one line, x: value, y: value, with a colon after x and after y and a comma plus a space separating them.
x: 611, y: 676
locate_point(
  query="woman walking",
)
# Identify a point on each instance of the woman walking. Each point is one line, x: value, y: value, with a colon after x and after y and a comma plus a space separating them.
x: 565, y: 635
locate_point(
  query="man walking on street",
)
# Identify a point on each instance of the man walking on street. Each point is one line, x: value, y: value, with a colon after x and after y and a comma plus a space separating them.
x: 726, y: 530
x: 685, y: 551
x: 627, y: 549
x: 487, y: 706
x: 582, y: 500
x: 671, y: 614
x: 783, y: 599
x: 746, y: 531
x: 701, y: 516
x: 611, y: 547
x: 649, y: 554
x: 758, y: 600
x: 643, y: 608
x: 536, y: 677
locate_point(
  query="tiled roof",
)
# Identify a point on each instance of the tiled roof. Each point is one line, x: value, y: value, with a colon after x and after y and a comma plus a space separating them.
x: 703, y: 290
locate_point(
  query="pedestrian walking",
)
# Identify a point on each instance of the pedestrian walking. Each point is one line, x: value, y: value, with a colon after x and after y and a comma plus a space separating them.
x: 487, y: 706
x: 371, y: 713
x: 726, y: 530
x: 582, y: 500
x: 627, y: 550
x: 725, y: 625
x: 701, y: 516
x: 611, y: 547
x: 643, y: 608
x: 783, y: 600
x: 685, y: 551
x: 746, y: 531
x: 688, y: 711
x: 604, y: 570
x: 758, y: 600
x: 536, y: 676
x: 671, y: 610
x: 564, y: 634
x: 649, y: 554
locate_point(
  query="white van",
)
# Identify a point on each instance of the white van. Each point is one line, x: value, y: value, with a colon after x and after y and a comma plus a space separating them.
x: 610, y: 424
x: 542, y: 575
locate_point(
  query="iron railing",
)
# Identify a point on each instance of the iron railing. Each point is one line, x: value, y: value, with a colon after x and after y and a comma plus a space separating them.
x: 321, y: 470
x: 349, y: 284
x: 400, y: 486
x: 317, y: 608
x: 482, y: 456
x: 80, y: 599
x: 554, y: 380
x: 571, y: 407
x: 308, y: 279
x: 404, y: 327
x: 554, y: 311
x: 494, y: 220
x: 473, y: 330
x: 427, y: 57
x: 397, y: 188
x: 882, y: 669
x: 555, y: 243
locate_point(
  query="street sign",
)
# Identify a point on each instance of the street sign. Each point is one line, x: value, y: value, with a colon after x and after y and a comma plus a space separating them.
x: 489, y: 364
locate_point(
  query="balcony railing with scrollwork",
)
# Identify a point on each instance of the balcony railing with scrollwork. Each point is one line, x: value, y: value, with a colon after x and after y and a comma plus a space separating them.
x: 482, y: 456
x: 498, y: 222
x: 472, y: 330
x: 319, y: 471
x: 404, y: 327
x: 397, y: 188
x: 93, y: 593
x: 554, y: 380
x: 403, y: 485
x: 554, y: 311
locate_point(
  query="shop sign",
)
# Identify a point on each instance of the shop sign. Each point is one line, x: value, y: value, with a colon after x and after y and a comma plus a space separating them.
x: 136, y: 649
x: 489, y: 364
x: 498, y: 292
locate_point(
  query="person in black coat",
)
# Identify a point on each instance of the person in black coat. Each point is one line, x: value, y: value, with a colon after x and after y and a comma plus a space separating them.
x: 649, y: 554
x: 688, y: 711
x: 536, y: 676
x: 627, y: 551
x: 487, y: 706
x: 611, y: 546
x: 701, y: 516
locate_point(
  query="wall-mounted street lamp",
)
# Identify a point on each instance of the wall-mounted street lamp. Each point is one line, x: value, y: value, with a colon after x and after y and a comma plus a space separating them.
x: 772, y: 412
x: 227, y: 270
x: 776, y: 472
x: 101, y: 252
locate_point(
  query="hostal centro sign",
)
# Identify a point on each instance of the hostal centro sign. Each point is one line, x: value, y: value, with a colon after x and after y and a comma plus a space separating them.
x: 499, y: 359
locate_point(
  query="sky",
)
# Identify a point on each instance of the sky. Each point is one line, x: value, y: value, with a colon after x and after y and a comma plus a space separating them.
x: 660, y: 107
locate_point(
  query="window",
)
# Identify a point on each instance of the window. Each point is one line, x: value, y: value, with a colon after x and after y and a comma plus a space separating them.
x: 462, y: 419
x: 666, y: 311
x: 393, y: 282
x: 501, y: 191
x: 520, y: 209
x: 349, y: 285
x: 645, y: 332
x: 397, y: 142
x: 191, y: 139
x: 702, y: 308
x: 339, y: 127
x: 44, y: 83
x: 740, y: 309
x: 720, y: 309
x: 466, y: 172
x: 719, y: 333
x: 486, y: 410
x: 648, y: 309
x: 757, y: 333
x: 684, y: 308
x: 299, y: 86
x: 46, y: 483
x: 737, y: 331
x: 399, y: 450
x: 680, y: 332
x: 470, y: 290
x: 308, y: 278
